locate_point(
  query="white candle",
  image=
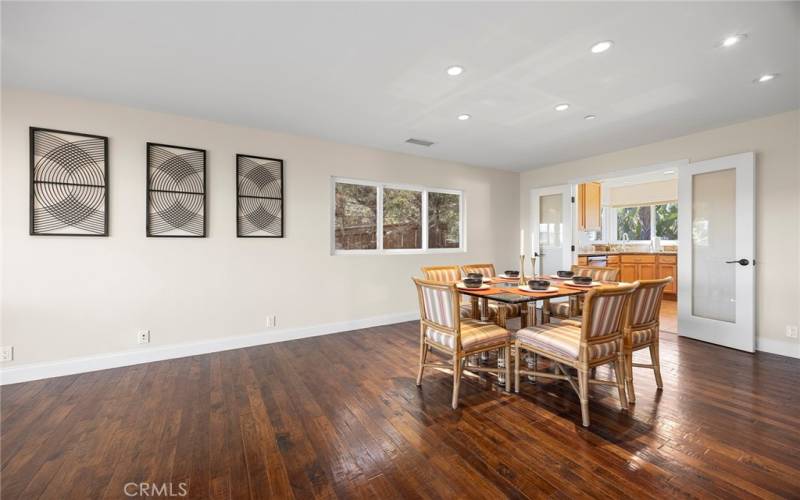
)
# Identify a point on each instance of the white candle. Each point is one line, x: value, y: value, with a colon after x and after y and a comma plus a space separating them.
x: 522, y: 242
x: 533, y: 245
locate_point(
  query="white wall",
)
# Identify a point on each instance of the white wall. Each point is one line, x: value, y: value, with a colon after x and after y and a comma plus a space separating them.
x: 73, y: 297
x: 775, y: 140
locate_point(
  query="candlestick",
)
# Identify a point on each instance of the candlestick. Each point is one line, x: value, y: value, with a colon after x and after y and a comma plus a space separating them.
x: 522, y: 269
x: 522, y: 241
x: 533, y: 265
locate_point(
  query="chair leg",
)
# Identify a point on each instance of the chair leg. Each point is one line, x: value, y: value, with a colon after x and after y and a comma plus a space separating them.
x: 508, y: 366
x: 629, y: 377
x: 583, y: 387
x: 656, y: 362
x: 457, y: 368
x: 423, y: 355
x: 619, y: 367
x: 517, y: 355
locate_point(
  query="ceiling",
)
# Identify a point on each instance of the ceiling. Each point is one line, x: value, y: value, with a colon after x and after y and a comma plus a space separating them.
x: 374, y: 74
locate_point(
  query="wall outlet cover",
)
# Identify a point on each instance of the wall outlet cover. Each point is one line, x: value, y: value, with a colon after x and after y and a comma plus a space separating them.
x: 7, y: 353
x: 143, y: 336
x: 791, y: 331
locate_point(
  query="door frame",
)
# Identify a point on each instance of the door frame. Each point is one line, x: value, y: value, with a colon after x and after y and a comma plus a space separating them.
x: 715, y: 331
x: 567, y: 215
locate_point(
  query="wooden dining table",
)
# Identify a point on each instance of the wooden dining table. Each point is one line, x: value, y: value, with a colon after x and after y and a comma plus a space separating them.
x: 506, y: 291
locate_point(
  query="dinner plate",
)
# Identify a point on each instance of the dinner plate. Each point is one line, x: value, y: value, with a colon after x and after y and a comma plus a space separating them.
x: 526, y: 288
x: 591, y: 285
x: 464, y: 287
x: 557, y: 277
x: 507, y: 277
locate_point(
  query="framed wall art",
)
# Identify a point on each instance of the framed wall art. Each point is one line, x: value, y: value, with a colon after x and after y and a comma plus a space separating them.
x: 68, y: 183
x: 259, y: 197
x: 176, y: 191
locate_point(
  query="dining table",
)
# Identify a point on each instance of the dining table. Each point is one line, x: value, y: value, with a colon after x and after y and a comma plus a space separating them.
x: 507, y: 291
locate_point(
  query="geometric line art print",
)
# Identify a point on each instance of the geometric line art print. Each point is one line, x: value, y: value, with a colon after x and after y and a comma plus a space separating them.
x: 259, y: 197
x: 176, y: 191
x: 68, y: 189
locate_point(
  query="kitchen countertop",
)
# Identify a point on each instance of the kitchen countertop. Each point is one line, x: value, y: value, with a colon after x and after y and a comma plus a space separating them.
x: 610, y: 252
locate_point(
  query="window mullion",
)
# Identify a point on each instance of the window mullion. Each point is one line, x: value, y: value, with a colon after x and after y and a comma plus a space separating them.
x: 424, y: 219
x: 379, y: 225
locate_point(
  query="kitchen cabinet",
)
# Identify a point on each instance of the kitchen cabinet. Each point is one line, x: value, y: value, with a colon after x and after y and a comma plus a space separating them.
x: 637, y: 267
x: 589, y: 206
x: 583, y: 261
x: 633, y: 267
x: 668, y: 266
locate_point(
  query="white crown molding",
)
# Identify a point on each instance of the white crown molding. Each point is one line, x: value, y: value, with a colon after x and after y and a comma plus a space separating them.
x: 36, y: 371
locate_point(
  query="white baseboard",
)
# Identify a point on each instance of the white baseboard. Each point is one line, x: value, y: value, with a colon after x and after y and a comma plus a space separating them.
x: 36, y: 371
x: 782, y: 347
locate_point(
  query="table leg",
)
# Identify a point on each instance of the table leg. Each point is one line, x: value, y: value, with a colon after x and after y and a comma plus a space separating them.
x: 545, y: 311
x: 523, y: 316
x: 484, y: 308
x: 476, y: 312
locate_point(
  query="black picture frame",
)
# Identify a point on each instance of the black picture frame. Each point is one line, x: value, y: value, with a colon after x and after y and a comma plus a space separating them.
x: 76, y: 213
x: 175, y: 172
x: 264, y: 171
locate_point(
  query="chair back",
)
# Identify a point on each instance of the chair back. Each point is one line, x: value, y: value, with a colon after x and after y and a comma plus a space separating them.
x: 646, y: 303
x: 487, y: 270
x: 442, y: 274
x: 597, y: 273
x: 604, y: 310
x: 438, y: 311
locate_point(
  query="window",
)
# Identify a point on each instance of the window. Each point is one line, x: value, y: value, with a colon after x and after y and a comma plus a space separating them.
x: 444, y: 213
x: 648, y: 221
x: 402, y: 218
x: 356, y: 217
x: 370, y: 217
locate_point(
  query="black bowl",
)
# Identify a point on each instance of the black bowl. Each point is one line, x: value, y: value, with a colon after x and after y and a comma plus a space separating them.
x: 582, y: 280
x: 539, y: 284
x: 565, y: 274
x: 477, y: 276
x: 472, y: 282
x: 512, y: 274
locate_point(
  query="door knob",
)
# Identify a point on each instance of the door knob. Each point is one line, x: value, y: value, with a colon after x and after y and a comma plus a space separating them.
x: 741, y: 262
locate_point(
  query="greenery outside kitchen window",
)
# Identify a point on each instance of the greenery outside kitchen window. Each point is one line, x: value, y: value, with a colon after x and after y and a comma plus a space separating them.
x: 375, y: 218
x: 645, y: 222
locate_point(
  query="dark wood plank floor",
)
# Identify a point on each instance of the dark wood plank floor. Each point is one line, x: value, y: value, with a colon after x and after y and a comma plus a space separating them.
x: 340, y: 416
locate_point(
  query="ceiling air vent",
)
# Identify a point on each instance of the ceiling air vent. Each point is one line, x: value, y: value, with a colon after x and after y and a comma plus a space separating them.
x: 420, y: 142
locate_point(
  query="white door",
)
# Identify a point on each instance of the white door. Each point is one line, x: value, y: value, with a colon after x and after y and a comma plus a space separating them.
x: 551, y: 227
x: 716, y: 251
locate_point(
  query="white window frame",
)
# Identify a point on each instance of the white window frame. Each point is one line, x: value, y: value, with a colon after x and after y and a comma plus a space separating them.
x: 462, y: 226
x: 611, y: 219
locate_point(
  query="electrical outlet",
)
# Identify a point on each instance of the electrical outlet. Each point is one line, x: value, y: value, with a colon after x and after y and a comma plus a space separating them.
x: 791, y: 331
x: 143, y: 336
x: 272, y: 321
x: 7, y: 353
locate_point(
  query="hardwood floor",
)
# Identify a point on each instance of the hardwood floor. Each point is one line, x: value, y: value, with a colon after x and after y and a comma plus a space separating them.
x: 669, y: 316
x: 340, y: 416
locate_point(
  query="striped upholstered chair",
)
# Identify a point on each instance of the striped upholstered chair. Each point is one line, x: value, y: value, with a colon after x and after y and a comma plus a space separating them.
x: 450, y: 274
x: 442, y: 328
x: 562, y: 309
x: 498, y: 311
x: 597, y: 341
x: 641, y: 329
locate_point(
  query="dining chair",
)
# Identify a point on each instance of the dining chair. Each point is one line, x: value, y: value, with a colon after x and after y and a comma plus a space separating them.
x: 596, y: 341
x: 498, y: 311
x: 451, y: 274
x: 572, y: 307
x: 442, y: 328
x: 641, y: 329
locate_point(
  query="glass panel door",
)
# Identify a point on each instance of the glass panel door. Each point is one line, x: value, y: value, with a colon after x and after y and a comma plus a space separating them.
x: 716, y: 247
x: 551, y: 218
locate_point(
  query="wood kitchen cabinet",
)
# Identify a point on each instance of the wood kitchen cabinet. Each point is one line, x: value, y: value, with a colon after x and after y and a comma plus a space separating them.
x: 589, y: 206
x: 637, y: 267
x: 668, y: 266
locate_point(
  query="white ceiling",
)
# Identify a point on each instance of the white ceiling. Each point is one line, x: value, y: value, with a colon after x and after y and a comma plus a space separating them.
x: 374, y: 74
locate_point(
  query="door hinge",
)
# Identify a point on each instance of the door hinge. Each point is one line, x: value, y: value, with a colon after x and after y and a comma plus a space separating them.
x: 573, y: 199
x: 572, y: 248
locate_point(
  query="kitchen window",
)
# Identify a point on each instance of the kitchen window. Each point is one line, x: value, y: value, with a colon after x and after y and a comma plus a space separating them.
x: 375, y: 218
x: 642, y: 223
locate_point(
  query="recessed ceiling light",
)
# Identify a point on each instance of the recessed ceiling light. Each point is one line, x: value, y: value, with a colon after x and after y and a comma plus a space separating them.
x: 669, y: 172
x: 589, y: 117
x: 602, y: 46
x: 562, y: 107
x: 766, y: 78
x: 464, y: 116
x: 455, y: 70
x: 732, y: 40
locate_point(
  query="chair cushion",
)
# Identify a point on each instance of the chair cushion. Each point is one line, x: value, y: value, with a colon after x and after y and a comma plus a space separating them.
x: 474, y: 334
x: 641, y: 337
x: 564, y: 340
x: 560, y: 309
